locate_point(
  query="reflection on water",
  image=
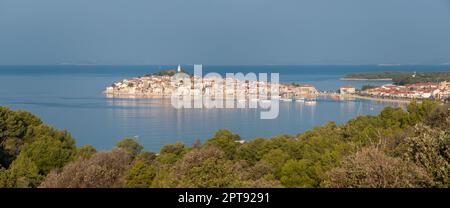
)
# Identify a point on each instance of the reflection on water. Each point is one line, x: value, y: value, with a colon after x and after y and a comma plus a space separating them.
x: 102, y: 122
x: 71, y: 98
x: 156, y: 122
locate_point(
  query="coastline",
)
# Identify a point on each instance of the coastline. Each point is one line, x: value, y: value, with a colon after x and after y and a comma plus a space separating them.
x: 346, y: 96
x: 379, y: 99
x: 157, y: 86
x: 364, y: 79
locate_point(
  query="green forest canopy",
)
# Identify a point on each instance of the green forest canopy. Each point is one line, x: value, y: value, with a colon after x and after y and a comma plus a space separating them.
x: 397, y: 148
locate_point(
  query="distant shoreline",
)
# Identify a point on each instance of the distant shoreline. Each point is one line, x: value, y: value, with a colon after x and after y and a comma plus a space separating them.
x: 401, y: 78
x: 365, y: 79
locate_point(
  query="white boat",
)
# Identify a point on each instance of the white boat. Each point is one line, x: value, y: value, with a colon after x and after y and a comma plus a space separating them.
x: 286, y: 99
x: 310, y: 102
x: 300, y: 100
x: 242, y: 100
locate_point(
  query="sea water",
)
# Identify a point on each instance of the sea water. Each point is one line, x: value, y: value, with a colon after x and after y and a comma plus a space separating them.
x: 70, y: 97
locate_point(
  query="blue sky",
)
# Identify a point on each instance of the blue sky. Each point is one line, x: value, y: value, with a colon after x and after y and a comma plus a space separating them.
x: 224, y: 31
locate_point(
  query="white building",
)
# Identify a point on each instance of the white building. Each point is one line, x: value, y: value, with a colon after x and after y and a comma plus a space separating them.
x: 347, y: 89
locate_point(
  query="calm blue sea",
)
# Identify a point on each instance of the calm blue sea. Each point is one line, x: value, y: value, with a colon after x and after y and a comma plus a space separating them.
x: 70, y: 97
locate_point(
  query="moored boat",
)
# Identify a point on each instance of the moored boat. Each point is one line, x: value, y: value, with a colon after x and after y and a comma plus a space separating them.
x: 310, y: 102
x: 286, y: 99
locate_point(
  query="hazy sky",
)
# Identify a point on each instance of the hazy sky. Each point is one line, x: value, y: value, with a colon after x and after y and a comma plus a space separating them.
x: 224, y: 31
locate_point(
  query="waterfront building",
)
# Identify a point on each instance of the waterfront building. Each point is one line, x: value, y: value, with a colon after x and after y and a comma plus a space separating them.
x: 305, y: 89
x: 412, y: 91
x: 161, y: 85
x: 347, y: 89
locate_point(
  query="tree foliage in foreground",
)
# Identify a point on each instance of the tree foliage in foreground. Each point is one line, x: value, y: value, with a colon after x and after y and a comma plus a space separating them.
x: 397, y: 148
x: 371, y: 167
x: 104, y: 169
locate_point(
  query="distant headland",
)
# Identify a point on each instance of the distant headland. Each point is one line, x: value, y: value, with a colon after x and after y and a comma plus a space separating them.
x: 401, y: 78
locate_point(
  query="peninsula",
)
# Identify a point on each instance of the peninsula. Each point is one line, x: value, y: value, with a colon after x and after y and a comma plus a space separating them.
x: 406, y: 86
x: 401, y: 78
x: 160, y: 85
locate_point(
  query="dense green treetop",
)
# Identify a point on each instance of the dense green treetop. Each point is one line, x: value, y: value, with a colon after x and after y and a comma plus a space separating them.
x: 397, y: 148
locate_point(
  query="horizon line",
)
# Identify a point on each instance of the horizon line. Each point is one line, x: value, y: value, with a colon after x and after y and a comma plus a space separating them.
x: 190, y: 64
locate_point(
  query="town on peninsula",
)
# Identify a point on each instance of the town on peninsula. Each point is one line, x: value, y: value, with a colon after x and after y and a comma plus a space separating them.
x: 160, y: 85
